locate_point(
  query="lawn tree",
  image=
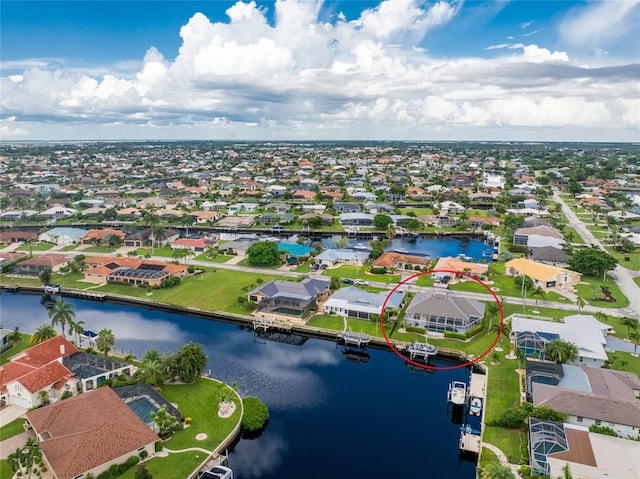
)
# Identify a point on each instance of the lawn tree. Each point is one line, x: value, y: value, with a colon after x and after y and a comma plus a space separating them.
x: 334, y: 284
x: 45, y: 276
x: 580, y: 303
x: 592, y: 261
x: 263, y: 253
x: 105, y: 340
x: 76, y: 328
x: 495, y: 470
x: 634, y: 336
x: 390, y: 231
x: 153, y: 371
x: 223, y: 396
x: 167, y: 423
x: 61, y: 314
x: 43, y: 333
x: 493, y: 310
x: 382, y: 221
x: 142, y: 473
x: 631, y: 324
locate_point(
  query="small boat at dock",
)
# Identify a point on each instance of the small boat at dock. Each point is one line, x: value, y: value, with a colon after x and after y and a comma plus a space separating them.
x: 457, y: 393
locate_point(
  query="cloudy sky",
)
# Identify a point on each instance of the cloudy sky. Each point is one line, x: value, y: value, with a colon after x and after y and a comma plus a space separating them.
x: 306, y: 69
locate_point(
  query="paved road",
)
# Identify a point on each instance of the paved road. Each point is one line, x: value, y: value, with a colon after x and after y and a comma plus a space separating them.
x: 621, y: 275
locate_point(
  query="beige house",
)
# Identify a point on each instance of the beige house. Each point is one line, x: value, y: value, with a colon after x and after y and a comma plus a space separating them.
x: 543, y: 275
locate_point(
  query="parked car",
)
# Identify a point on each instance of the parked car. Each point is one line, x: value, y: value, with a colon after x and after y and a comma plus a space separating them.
x: 324, y: 266
x: 347, y: 280
x: 314, y: 267
x: 361, y: 282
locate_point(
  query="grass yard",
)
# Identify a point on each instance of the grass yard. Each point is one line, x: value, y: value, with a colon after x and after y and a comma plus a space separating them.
x: 625, y: 361
x: 417, y: 211
x: 36, y: 247
x: 221, y: 258
x: 5, y: 468
x: 165, y: 252
x: 634, y: 258
x: 353, y: 272
x: 70, y: 247
x: 571, y: 233
x: 98, y: 249
x: 174, y: 466
x: 507, y: 440
x: 507, y: 288
x: 488, y: 456
x: 16, y: 348
x: 425, y: 280
x: 586, y: 291
x: 215, y: 290
x: 327, y: 321
x: 14, y: 428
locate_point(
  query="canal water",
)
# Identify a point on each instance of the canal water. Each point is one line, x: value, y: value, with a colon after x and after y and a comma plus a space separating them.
x: 432, y: 247
x: 331, y: 417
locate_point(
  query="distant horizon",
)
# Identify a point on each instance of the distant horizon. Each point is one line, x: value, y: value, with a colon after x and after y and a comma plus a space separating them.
x: 485, y: 70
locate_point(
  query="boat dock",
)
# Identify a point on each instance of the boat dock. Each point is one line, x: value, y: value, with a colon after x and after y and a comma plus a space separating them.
x: 470, y: 442
x: 477, y: 386
x: 265, y: 324
x: 354, y: 338
x: 418, y: 350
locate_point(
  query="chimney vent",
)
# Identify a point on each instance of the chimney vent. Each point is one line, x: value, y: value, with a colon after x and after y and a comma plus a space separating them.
x: 62, y: 349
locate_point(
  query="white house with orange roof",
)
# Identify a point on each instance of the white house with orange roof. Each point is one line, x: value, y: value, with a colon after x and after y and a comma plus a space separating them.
x: 446, y: 264
x: 543, y: 275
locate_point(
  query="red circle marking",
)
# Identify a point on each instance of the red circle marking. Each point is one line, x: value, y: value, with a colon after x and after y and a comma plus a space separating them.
x: 441, y: 368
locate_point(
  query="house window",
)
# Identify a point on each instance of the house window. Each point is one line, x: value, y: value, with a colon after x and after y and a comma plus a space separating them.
x: 580, y: 418
x: 79, y: 476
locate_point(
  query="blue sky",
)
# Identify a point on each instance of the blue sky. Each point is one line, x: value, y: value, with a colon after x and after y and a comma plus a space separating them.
x: 294, y: 69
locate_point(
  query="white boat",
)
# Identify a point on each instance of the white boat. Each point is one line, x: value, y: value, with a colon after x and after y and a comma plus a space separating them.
x: 475, y: 407
x: 216, y: 472
x: 457, y: 392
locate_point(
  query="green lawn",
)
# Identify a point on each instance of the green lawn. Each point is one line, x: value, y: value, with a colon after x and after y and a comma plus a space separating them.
x: 425, y: 280
x: 5, y: 468
x: 36, y: 247
x: 355, y: 272
x: 488, y: 456
x: 221, y: 258
x: 327, y: 321
x: 637, y: 280
x: 568, y: 231
x: 634, y: 258
x: 417, y: 211
x: 165, y: 252
x: 507, y: 440
x: 14, y: 428
x: 586, y: 291
x: 70, y: 247
x: 625, y: 361
x: 195, y: 401
x: 215, y: 290
x: 15, y: 348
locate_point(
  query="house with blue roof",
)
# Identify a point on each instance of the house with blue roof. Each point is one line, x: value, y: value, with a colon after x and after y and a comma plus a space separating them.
x: 295, y: 250
x: 290, y: 298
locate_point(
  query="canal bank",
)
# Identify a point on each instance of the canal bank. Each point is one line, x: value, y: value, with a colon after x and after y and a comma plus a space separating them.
x: 243, y: 320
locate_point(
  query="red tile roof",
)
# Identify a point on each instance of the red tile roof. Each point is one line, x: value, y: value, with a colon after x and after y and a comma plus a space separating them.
x: 45, y: 352
x: 87, y: 431
x: 44, y: 376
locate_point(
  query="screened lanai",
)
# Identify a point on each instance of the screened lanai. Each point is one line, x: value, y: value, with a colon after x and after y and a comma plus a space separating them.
x: 545, y: 437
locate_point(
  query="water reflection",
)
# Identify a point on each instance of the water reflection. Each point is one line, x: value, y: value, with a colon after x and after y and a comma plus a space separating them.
x: 257, y: 458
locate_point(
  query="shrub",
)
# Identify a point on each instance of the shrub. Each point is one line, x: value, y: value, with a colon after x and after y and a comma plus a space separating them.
x: 158, y: 446
x: 607, y: 431
x: 133, y: 460
x: 452, y: 335
x: 187, y: 420
x: 472, y: 332
x: 256, y: 414
x: 518, y: 248
x: 415, y: 329
x: 377, y: 270
x: 143, y: 454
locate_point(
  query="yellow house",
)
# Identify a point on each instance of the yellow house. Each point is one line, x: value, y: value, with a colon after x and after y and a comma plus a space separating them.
x: 544, y: 275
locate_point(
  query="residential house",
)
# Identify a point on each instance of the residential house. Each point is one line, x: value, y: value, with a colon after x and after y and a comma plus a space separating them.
x: 304, y: 195
x: 290, y: 298
x: 352, y: 302
x: 87, y: 434
x: 441, y: 312
x: 450, y: 268
x: 137, y: 240
x: 16, y: 215
x: 9, y: 236
x: 538, y: 236
x: 400, y: 261
x: 356, y: 219
x: 133, y: 271
x: 543, y: 275
x: 202, y: 217
x: 378, y: 208
x: 57, y: 212
x: 140, y: 394
x: 550, y: 255
x: 243, y: 207
x: 198, y: 245
x: 63, y: 235
x: 553, y: 446
x: 333, y: 256
x: 36, y: 265
x: 97, y: 236
x: 532, y: 335
x: 343, y: 207
x: 451, y: 208
x: 595, y: 396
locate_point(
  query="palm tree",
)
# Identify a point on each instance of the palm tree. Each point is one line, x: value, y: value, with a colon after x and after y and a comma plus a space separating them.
x: 495, y: 470
x: 76, y: 328
x: 492, y: 311
x: 187, y: 221
x: 600, y: 316
x: 630, y: 323
x: 561, y: 351
x: 150, y: 219
x: 151, y: 355
x: 31, y: 454
x: 43, y: 396
x: 154, y: 371
x: 390, y: 232
x: 580, y: 302
x: 43, y: 333
x: 61, y: 313
x: 16, y: 460
x: 105, y: 340
x: 539, y: 291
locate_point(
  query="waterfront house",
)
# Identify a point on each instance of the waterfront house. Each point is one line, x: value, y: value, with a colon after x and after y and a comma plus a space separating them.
x: 451, y: 207
x: 333, y: 256
x: 133, y: 271
x: 531, y: 335
x: 97, y: 236
x: 538, y: 236
x: 400, y: 261
x: 342, y: 207
x: 543, y: 275
x: 63, y: 236
x: 552, y: 446
x: 198, y: 245
x: 356, y: 219
x: 36, y: 265
x: 594, y: 396
x: 441, y: 312
x: 352, y: 302
x: 143, y: 399
x: 9, y: 236
x: 291, y: 298
x: 137, y: 240
x: 89, y: 433
x: 57, y: 212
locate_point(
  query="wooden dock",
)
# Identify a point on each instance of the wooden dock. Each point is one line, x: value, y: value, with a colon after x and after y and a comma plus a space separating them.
x: 351, y: 338
x: 477, y: 386
x: 470, y: 442
x: 265, y: 324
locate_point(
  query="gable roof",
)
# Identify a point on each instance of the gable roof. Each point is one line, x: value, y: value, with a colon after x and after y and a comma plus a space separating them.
x: 361, y: 300
x: 389, y: 259
x: 87, y: 431
x: 450, y: 263
x: 42, y: 377
x: 305, y: 289
x: 541, y: 230
x: 549, y: 253
x: 45, y: 352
